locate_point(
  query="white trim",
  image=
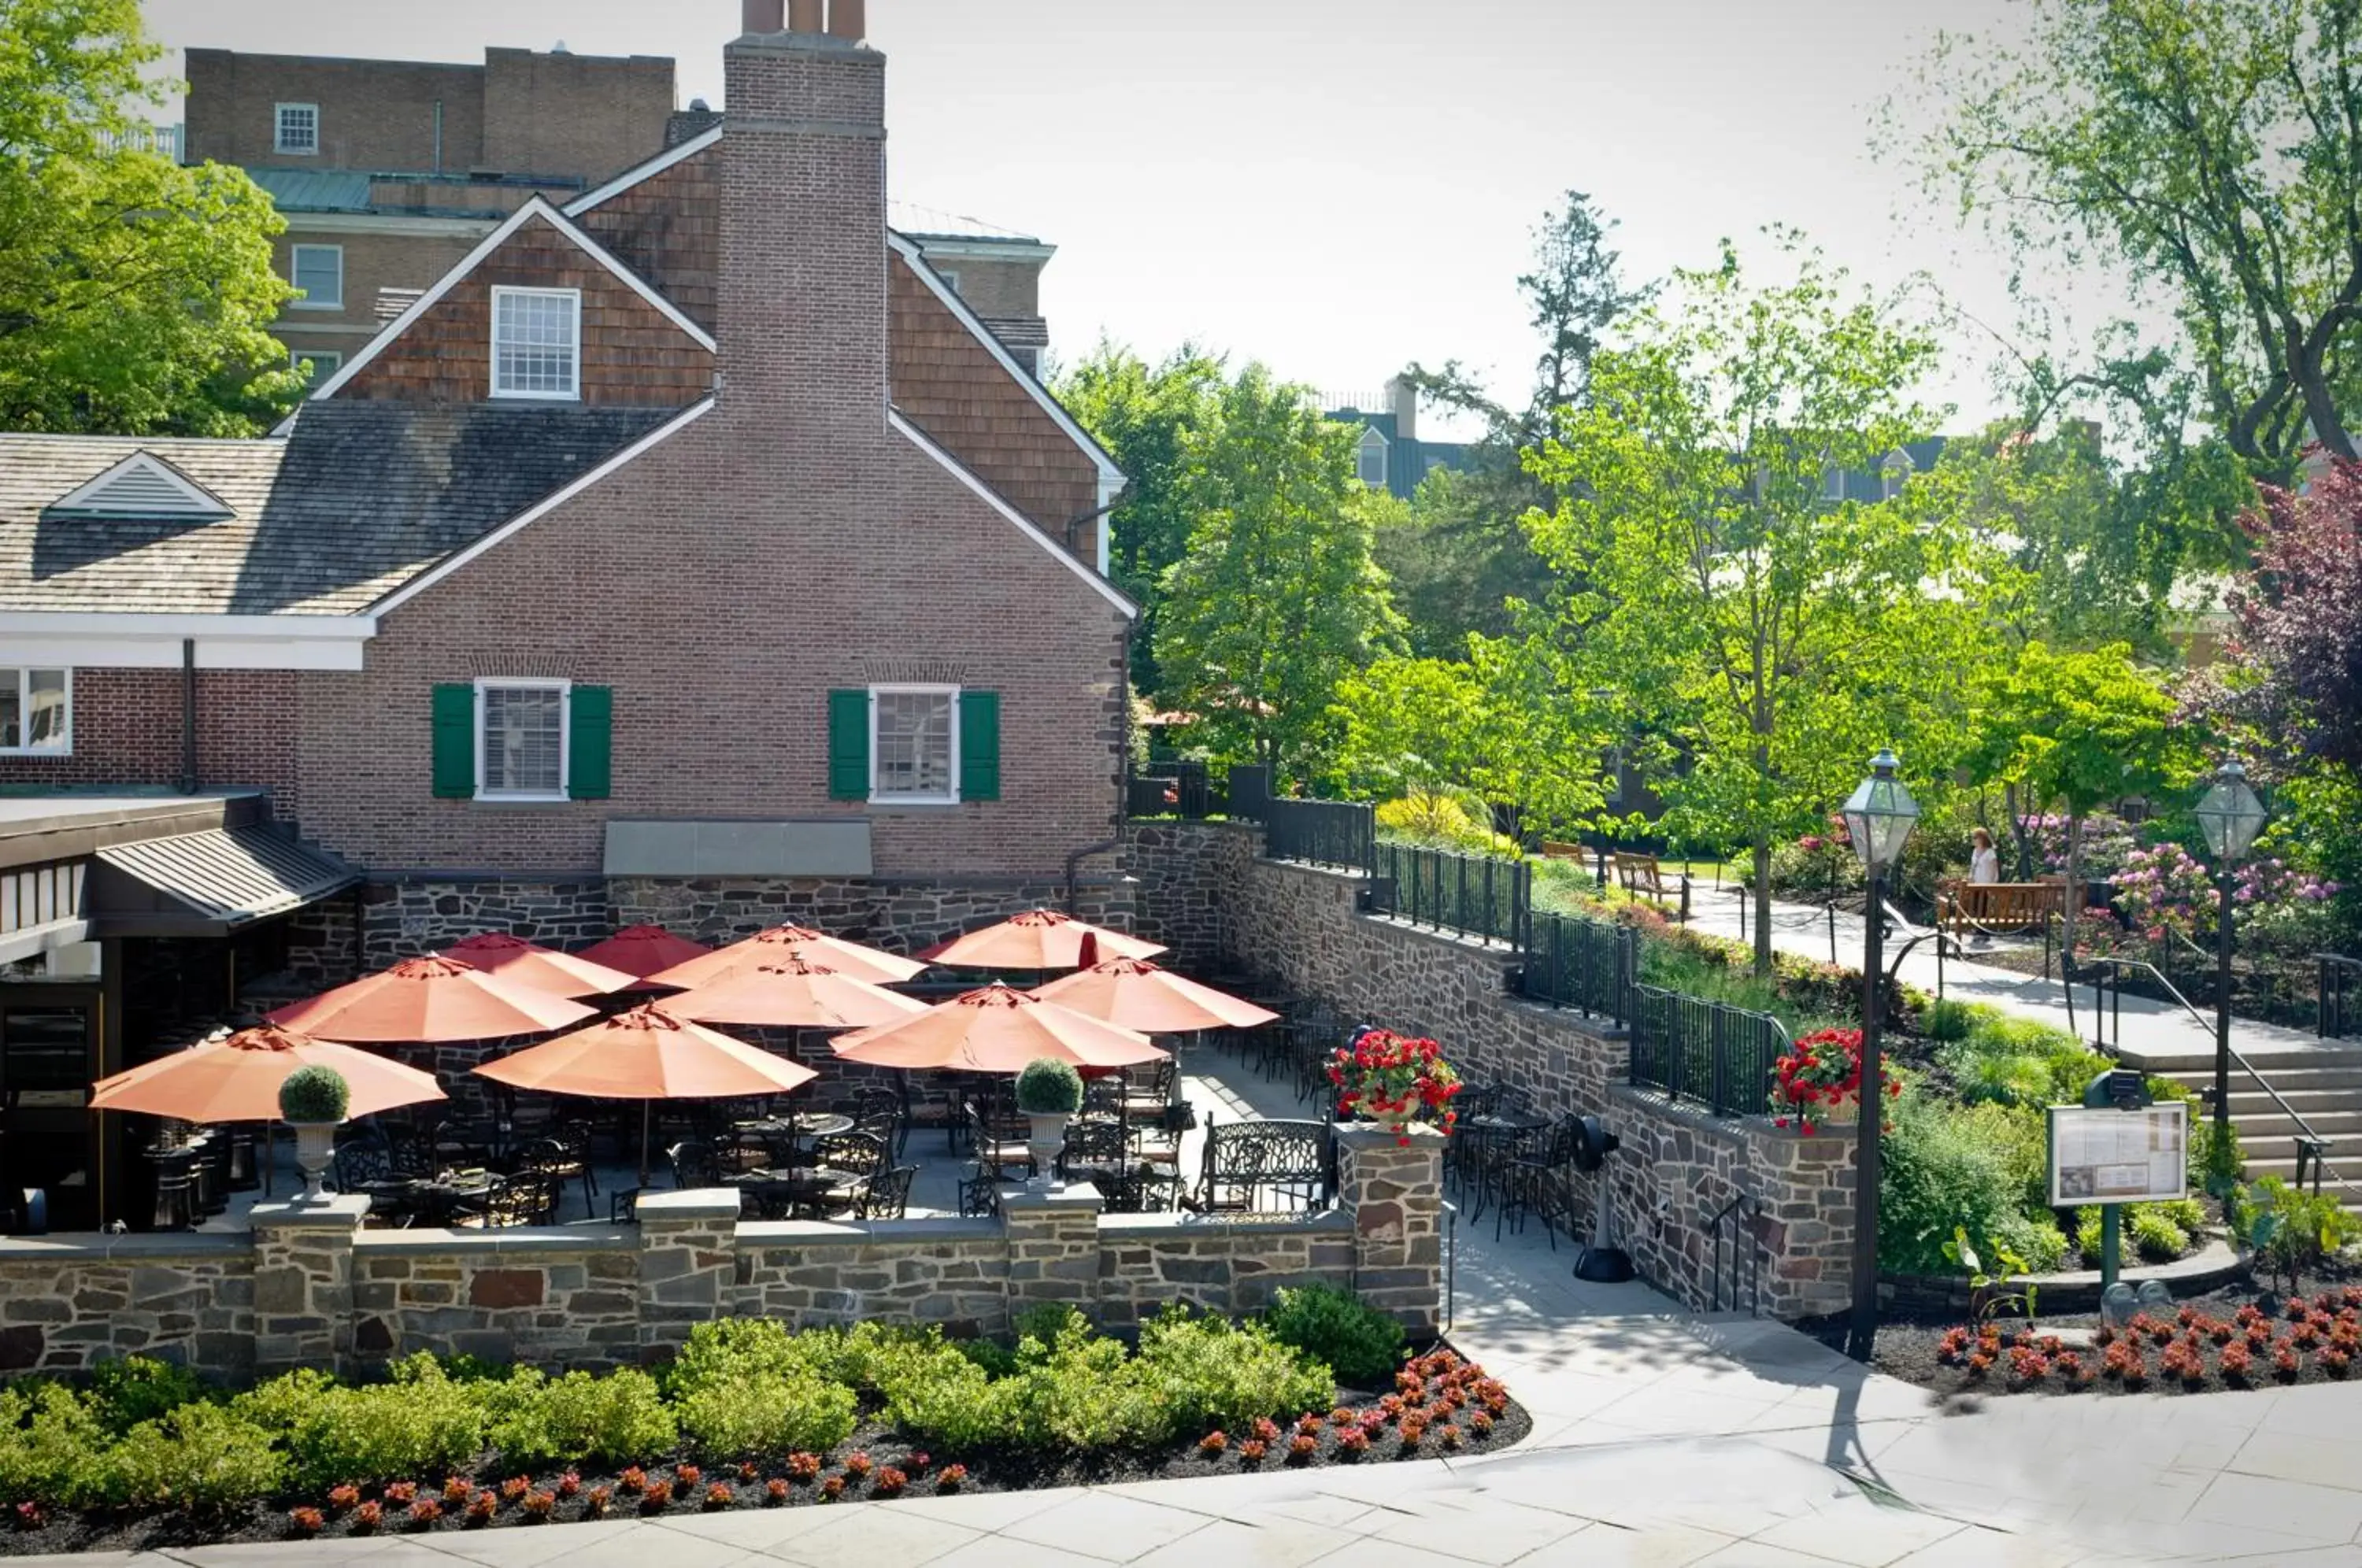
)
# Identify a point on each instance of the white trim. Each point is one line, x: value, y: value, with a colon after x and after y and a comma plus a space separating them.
x: 950, y: 276
x: 99, y: 640
x: 1383, y: 447
x: 927, y: 444
x: 910, y: 251
x: 642, y: 171
x: 295, y: 628
x: 975, y: 248
x: 279, y: 131
x: 295, y: 270
x: 535, y: 206
x: 300, y: 222
x: 921, y: 688
x: 1108, y: 491
x: 565, y: 690
x: 25, y: 671
x: 428, y: 579
x: 572, y: 391
x: 200, y: 502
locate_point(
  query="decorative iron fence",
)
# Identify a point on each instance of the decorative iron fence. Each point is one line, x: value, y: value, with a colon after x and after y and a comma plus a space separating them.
x: 2337, y: 997
x: 1172, y: 789
x: 1250, y: 791
x: 1715, y: 1055
x: 1474, y: 895
x: 1575, y: 962
x: 1343, y: 833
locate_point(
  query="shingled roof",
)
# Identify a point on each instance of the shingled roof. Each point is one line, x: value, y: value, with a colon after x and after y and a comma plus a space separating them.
x: 358, y: 499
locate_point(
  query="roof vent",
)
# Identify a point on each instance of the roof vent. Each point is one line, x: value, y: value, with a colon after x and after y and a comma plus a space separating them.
x: 699, y: 107
x: 142, y: 487
x: 560, y: 47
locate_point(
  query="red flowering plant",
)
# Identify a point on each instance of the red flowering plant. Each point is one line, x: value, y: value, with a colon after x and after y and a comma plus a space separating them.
x: 1821, y: 1075
x: 1394, y: 1080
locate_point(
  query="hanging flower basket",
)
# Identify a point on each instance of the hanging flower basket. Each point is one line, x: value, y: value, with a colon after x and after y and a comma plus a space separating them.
x: 1394, y: 1080
x: 1819, y: 1083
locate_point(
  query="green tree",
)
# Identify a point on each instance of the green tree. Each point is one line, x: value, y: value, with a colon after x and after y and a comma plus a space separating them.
x: 2213, y: 153
x: 1776, y: 638
x: 1277, y: 598
x: 135, y: 294
x: 1144, y: 416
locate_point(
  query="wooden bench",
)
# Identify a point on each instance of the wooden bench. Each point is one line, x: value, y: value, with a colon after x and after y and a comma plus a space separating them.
x: 1553, y: 850
x: 1643, y: 878
x: 1982, y: 906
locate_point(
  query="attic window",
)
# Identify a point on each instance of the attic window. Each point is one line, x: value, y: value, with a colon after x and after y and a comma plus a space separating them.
x: 537, y: 344
x: 298, y: 129
x: 1371, y: 461
x: 142, y: 487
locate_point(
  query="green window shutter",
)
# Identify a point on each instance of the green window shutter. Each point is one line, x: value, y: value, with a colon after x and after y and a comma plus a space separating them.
x: 848, y: 745
x: 590, y: 743
x: 455, y: 743
x: 979, y: 745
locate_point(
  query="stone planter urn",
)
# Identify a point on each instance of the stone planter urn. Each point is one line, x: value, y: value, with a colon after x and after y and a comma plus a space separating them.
x: 1045, y: 1142
x: 1049, y: 1092
x: 315, y: 1148
x: 313, y: 1100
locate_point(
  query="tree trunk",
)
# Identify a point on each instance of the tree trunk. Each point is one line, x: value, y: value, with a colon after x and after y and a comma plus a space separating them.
x: 2072, y: 903
x: 1763, y: 903
x: 2023, y: 840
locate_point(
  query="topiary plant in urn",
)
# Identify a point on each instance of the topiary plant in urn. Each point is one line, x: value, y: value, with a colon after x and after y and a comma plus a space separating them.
x: 1049, y: 1092
x: 313, y: 1100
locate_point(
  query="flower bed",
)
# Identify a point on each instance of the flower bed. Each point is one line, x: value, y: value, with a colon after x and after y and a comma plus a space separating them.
x: 2194, y: 1349
x: 750, y: 1416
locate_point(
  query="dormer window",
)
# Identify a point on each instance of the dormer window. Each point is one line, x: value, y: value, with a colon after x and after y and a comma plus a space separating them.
x: 1894, y: 474
x: 298, y: 130
x: 1371, y: 460
x: 141, y: 488
x: 537, y: 344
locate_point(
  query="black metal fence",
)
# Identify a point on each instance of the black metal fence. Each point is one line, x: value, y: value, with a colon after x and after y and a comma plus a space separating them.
x: 1249, y: 791
x: 1342, y: 834
x: 2337, y: 997
x: 1182, y: 790
x: 1575, y: 962
x: 1474, y: 895
x: 1717, y: 1056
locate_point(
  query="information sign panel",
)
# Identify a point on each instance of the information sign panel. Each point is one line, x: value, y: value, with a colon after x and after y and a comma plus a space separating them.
x: 2118, y: 1156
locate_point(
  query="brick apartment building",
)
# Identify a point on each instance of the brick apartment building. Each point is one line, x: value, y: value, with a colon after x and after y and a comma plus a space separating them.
x: 390, y: 172
x: 689, y: 550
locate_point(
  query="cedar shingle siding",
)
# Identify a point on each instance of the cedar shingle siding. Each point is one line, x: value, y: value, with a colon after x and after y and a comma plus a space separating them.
x: 950, y: 387
x: 668, y: 228
x: 633, y: 355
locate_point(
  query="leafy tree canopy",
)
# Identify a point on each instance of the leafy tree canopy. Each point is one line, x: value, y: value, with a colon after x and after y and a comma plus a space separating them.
x: 2296, y: 682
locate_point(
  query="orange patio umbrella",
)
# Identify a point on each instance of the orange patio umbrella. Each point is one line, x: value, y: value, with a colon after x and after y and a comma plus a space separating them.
x: 236, y: 1077
x: 643, y: 950
x: 1038, y: 939
x: 793, y: 992
x: 545, y: 968
x: 647, y: 1055
x: 996, y: 1029
x: 873, y: 965
x: 429, y: 1002
x: 1132, y: 993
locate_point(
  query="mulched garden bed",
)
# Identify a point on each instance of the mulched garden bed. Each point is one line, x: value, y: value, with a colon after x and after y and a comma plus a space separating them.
x: 2236, y: 1337
x: 1441, y: 1405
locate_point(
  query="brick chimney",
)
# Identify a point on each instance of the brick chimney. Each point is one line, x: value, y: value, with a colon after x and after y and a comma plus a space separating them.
x: 802, y: 289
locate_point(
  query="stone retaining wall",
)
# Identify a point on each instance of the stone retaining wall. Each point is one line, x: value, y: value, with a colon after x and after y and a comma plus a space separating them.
x: 68, y: 1302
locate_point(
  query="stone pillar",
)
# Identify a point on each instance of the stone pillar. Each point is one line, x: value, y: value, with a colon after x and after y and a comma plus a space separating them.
x: 1807, y: 1225
x: 1394, y: 1192
x: 688, y: 1265
x: 304, y: 1283
x: 1053, y: 1247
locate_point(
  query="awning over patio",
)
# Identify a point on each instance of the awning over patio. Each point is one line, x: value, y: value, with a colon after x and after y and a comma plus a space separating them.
x: 209, y: 883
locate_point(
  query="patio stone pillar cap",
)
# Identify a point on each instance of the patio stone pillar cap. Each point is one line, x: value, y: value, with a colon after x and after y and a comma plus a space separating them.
x: 1080, y: 1195
x: 701, y: 1203
x: 1376, y: 1135
x: 338, y: 1211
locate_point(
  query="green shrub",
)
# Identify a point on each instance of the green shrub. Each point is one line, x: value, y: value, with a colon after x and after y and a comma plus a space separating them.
x: 1947, y: 1168
x: 1948, y: 1021
x: 762, y: 1417
x: 620, y: 1418
x: 944, y: 1399
x: 48, y: 1434
x: 2217, y: 1164
x: 2035, y: 1238
x: 2017, y: 1078
x: 1214, y: 1374
x: 1361, y: 1345
x: 125, y: 1391
x: 315, y: 1095
x: 1080, y: 1392
x: 1049, y: 1086
x: 2187, y: 1212
x: 2154, y: 1235
x: 2291, y: 1231
x: 421, y: 1425
x: 200, y: 1457
x: 737, y: 1349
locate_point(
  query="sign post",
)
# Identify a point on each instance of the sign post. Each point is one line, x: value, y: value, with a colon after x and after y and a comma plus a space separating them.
x: 2115, y: 1148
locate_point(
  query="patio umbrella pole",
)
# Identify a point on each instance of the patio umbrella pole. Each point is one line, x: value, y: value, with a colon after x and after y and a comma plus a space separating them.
x: 647, y: 1115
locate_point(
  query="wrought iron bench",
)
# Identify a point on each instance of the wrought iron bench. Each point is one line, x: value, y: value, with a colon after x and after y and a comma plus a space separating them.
x: 1265, y: 1167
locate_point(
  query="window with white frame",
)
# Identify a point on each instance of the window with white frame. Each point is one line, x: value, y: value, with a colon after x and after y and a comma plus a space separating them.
x: 950, y: 278
x: 299, y: 129
x: 521, y: 740
x: 914, y: 744
x: 319, y: 272
x: 537, y: 343
x: 318, y: 364
x: 1372, y: 461
x: 36, y: 711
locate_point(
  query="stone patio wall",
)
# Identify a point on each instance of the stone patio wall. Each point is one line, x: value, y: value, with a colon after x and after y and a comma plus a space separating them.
x: 67, y: 1302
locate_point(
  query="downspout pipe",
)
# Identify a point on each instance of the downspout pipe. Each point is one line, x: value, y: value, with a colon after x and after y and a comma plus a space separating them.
x: 1074, y: 867
x: 187, y: 715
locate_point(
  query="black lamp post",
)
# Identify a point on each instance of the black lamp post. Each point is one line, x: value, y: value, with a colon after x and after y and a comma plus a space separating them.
x: 1878, y: 818
x: 2230, y: 816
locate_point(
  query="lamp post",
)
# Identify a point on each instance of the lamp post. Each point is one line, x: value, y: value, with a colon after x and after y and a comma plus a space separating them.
x: 2230, y: 816
x: 1878, y: 818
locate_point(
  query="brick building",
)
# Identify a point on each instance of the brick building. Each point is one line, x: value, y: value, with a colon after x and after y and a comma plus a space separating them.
x: 689, y: 550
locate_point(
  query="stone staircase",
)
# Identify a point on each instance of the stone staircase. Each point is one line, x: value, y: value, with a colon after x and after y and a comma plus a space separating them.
x: 2322, y: 1084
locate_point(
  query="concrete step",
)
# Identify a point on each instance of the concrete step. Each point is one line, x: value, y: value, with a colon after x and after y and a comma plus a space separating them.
x: 2172, y: 1061
x: 2286, y: 1170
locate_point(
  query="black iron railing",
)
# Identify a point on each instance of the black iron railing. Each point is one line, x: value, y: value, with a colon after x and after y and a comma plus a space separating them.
x: 2337, y: 997
x: 1343, y: 833
x: 1719, y: 1056
x: 1476, y: 895
x: 1741, y: 1217
x: 1588, y: 964
x: 1172, y: 789
x: 1249, y: 791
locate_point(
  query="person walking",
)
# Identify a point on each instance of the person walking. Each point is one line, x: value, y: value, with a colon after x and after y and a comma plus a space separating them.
x: 1984, y: 865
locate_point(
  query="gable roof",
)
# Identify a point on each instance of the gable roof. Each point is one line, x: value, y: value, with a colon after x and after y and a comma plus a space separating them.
x: 639, y: 172
x: 536, y: 207
x: 143, y: 486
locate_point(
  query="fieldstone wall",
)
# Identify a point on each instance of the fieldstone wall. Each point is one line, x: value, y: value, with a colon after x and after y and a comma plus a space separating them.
x: 1183, y: 875
x: 953, y: 1271
x: 1232, y: 1266
x: 68, y: 1303
x: 568, y: 1299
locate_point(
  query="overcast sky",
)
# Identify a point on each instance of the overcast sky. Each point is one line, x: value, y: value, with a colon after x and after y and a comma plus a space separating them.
x: 1336, y: 187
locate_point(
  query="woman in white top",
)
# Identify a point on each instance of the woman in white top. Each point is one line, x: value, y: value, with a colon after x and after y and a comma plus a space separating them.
x: 1984, y: 865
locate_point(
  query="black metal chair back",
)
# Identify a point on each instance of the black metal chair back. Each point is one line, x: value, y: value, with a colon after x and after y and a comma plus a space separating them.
x: 1266, y: 1167
x: 889, y: 1197
x: 1095, y: 1142
x: 693, y: 1165
x: 864, y: 1154
x: 358, y: 1164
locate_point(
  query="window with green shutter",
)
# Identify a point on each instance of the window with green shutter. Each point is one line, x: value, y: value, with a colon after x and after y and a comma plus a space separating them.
x: 455, y: 741
x: 848, y: 745
x: 979, y: 736
x: 590, y: 743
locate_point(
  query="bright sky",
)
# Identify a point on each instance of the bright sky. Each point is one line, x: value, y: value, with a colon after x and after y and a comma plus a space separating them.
x: 1336, y: 187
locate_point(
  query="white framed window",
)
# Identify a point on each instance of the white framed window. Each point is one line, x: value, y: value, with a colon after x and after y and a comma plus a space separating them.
x: 1370, y: 462
x: 298, y: 129
x: 950, y: 278
x: 537, y: 344
x: 318, y: 364
x: 522, y: 739
x: 319, y: 272
x: 914, y: 746
x: 35, y: 713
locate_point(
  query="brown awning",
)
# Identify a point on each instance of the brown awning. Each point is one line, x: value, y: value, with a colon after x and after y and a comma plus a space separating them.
x: 209, y: 883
